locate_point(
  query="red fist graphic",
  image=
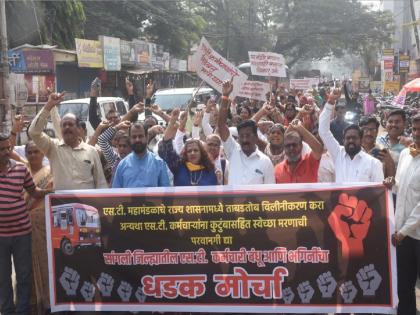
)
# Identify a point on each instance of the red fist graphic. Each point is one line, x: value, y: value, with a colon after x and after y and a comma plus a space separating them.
x: 350, y: 221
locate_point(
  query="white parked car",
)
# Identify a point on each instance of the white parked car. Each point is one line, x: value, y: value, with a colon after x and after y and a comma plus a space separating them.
x: 80, y: 108
x: 169, y: 99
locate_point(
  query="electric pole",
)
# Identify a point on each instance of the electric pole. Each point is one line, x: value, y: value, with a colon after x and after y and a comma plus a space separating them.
x: 4, y: 62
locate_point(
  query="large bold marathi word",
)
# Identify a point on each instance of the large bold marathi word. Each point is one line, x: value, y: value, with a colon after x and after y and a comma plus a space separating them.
x: 172, y: 286
x: 240, y: 284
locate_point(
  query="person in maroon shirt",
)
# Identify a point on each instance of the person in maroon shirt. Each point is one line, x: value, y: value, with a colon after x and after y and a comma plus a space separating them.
x: 15, y: 231
x: 298, y: 167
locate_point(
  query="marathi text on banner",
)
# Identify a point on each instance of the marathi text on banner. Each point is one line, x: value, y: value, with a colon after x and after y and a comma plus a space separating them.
x: 254, y: 90
x: 214, y: 69
x: 267, y: 64
x: 315, y: 249
x: 89, y: 53
x: 304, y: 84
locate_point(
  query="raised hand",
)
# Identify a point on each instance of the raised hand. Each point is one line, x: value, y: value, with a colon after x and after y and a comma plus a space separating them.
x: 124, y: 291
x: 18, y: 124
x: 150, y: 89
x: 348, y: 291
x: 288, y: 295
x: 198, y: 117
x: 54, y: 99
x: 156, y: 129
x: 295, y: 125
x: 69, y: 280
x: 105, y: 284
x: 183, y: 120
x: 368, y: 279
x: 140, y: 296
x: 156, y: 109
x: 326, y: 284
x: 123, y: 125
x: 129, y: 87
x: 268, y: 108
x: 305, y: 291
x: 350, y: 221
x: 103, y: 125
x: 95, y: 87
x: 138, y: 108
x: 210, y: 105
x: 227, y: 87
x: 334, y: 96
x: 88, y: 291
x: 175, y: 114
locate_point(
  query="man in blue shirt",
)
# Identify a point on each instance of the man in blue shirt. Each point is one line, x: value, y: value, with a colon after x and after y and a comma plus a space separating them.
x: 140, y: 168
x: 393, y: 140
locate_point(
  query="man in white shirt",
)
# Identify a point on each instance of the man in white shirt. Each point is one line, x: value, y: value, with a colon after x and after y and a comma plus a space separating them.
x: 407, y: 221
x: 247, y: 164
x: 351, y: 163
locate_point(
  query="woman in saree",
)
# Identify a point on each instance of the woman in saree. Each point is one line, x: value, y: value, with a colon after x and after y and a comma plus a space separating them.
x: 43, y: 179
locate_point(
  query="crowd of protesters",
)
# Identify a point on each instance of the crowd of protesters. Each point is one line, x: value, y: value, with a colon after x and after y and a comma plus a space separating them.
x: 293, y: 137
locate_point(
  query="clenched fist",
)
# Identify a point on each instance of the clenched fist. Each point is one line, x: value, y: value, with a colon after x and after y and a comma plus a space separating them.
x: 350, y: 221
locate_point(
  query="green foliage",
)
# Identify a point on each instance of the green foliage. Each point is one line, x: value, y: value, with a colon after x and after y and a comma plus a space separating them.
x: 169, y: 23
x: 299, y: 29
x: 235, y: 27
x: 313, y: 29
x: 117, y: 18
x: 42, y: 22
x: 174, y: 24
x: 68, y: 21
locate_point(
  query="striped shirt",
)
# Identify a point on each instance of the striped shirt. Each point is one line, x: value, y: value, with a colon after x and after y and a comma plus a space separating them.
x: 14, y: 216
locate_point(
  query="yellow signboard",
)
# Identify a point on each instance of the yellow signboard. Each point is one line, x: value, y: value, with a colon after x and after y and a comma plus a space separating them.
x: 392, y: 86
x: 89, y: 53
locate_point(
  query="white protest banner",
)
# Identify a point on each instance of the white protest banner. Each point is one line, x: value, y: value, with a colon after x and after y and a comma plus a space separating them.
x: 267, y: 64
x: 255, y: 90
x: 214, y: 69
x: 303, y: 84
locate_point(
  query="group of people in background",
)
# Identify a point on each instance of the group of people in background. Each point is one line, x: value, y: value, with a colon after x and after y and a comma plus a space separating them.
x: 293, y: 137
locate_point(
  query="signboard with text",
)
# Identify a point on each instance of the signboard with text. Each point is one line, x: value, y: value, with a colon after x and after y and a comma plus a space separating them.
x: 31, y: 61
x: 182, y: 65
x: 404, y: 63
x: 267, y: 64
x: 157, y: 56
x: 255, y: 90
x: 304, y: 84
x: 142, y: 53
x: 128, y: 53
x: 112, y: 55
x: 270, y: 248
x: 214, y: 69
x: 89, y: 53
x: 392, y: 86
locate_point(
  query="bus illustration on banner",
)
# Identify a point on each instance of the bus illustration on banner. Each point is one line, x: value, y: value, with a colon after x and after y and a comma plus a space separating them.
x: 75, y: 225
